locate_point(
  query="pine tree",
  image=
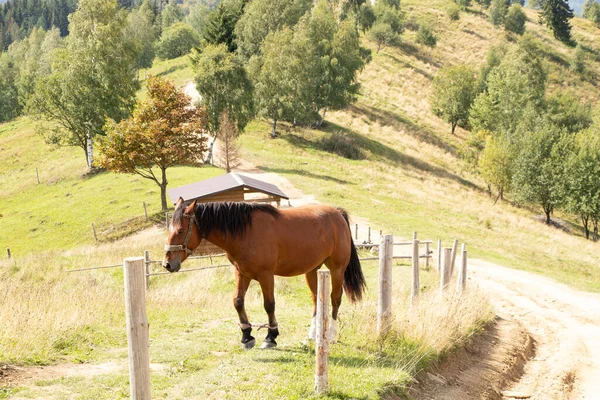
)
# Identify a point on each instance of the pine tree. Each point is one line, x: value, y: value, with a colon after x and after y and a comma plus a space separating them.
x: 556, y: 14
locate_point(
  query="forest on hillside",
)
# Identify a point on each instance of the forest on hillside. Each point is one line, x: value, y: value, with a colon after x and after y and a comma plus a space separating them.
x: 293, y: 61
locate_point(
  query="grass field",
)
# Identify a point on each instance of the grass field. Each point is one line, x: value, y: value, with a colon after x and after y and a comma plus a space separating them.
x: 194, y: 350
x: 407, y: 177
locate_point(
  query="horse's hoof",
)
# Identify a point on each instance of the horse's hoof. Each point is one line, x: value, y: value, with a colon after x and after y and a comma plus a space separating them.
x: 268, y: 345
x: 249, y: 344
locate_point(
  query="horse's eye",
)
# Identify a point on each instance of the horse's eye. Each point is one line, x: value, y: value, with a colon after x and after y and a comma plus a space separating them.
x: 179, y: 231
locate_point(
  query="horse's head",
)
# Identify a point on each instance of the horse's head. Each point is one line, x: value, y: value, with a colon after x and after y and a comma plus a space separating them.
x: 183, y: 236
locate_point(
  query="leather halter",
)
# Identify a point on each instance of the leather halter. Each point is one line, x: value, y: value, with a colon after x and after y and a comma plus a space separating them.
x: 183, y: 247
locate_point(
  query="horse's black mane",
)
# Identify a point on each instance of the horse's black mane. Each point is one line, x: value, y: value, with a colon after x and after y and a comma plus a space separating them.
x: 230, y: 217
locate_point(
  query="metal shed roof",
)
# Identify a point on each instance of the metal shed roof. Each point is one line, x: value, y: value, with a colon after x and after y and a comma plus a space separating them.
x: 221, y: 184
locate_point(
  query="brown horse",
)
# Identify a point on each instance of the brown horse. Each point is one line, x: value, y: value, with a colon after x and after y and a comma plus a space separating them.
x: 262, y: 241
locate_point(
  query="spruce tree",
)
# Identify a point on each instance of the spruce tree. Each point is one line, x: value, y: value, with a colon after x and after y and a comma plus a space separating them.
x: 556, y: 14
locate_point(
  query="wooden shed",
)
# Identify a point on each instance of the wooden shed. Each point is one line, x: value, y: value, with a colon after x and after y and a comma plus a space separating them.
x: 228, y: 187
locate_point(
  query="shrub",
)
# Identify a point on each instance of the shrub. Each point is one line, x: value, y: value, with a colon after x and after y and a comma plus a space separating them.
x: 343, y: 146
x: 453, y: 12
x: 176, y: 41
x: 425, y: 36
x: 577, y: 62
x: 515, y: 19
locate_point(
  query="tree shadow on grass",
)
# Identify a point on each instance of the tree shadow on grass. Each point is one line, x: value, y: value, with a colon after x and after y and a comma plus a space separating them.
x: 172, y: 69
x: 378, y: 150
x: 417, y: 53
x: 409, y: 65
x: 303, y: 173
x: 385, y: 117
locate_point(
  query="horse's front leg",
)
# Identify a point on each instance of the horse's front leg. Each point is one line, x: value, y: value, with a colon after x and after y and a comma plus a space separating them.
x: 241, y: 286
x: 267, y: 284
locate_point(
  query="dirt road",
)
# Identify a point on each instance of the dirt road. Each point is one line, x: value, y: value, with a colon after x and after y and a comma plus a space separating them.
x: 564, y: 323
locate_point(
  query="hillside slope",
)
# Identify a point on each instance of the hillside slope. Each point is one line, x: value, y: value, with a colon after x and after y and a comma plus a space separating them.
x: 411, y: 177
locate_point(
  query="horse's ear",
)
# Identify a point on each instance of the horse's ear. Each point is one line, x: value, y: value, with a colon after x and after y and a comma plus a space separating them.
x: 179, y: 202
x: 192, y: 206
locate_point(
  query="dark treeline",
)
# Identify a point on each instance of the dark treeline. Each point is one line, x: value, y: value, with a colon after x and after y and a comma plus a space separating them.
x: 19, y: 17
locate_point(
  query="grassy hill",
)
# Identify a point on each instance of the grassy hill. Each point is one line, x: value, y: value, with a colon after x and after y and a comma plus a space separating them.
x: 409, y: 178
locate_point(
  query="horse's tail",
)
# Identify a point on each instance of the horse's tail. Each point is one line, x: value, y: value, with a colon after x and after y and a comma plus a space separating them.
x: 354, y: 280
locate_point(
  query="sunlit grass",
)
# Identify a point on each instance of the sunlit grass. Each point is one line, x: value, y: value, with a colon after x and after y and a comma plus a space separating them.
x: 194, y: 338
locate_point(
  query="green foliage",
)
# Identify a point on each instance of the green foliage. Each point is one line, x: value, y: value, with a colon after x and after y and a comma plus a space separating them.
x: 383, y: 34
x: 495, y: 163
x: 463, y: 3
x: 426, y: 36
x: 366, y: 16
x: 274, y: 75
x: 92, y: 79
x: 594, y: 13
x: 176, y: 41
x: 587, y: 6
x: 390, y: 15
x: 493, y: 59
x: 222, y: 82
x: 582, y: 186
x: 141, y: 30
x: 264, y: 16
x: 556, y: 14
x: 577, y: 61
x: 308, y: 70
x: 453, y: 12
x: 198, y: 16
x: 170, y: 15
x: 515, y: 19
x: 9, y: 93
x: 567, y: 112
x: 498, y: 11
x: 454, y: 90
x: 484, y: 3
x: 19, y: 18
x: 538, y: 168
x: 220, y: 24
x: 518, y: 80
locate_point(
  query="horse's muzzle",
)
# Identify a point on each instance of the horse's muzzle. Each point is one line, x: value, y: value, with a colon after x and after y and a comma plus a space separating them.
x: 172, y: 265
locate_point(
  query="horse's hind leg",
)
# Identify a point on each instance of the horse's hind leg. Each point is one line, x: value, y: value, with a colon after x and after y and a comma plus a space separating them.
x: 241, y: 287
x: 337, y: 282
x: 311, y: 281
x: 267, y: 284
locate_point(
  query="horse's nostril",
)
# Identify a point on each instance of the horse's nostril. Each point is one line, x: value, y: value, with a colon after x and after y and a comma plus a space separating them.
x: 168, y: 267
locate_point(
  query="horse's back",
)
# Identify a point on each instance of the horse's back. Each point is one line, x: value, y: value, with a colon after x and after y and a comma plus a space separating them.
x: 309, y: 235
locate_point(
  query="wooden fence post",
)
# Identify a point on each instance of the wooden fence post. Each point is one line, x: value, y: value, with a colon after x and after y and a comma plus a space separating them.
x: 454, y: 251
x: 427, y: 256
x: 147, y: 265
x: 414, y: 235
x: 137, y: 328
x: 369, y: 236
x: 445, y: 270
x: 94, y: 230
x: 167, y: 220
x: 8, y: 251
x: 356, y: 232
x: 462, y: 272
x: 414, y: 293
x: 145, y: 210
x: 322, y: 343
x: 38, y: 175
x: 438, y: 264
x: 384, y: 307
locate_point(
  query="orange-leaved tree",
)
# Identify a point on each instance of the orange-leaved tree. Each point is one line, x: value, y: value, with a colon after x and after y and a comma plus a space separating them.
x: 165, y: 130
